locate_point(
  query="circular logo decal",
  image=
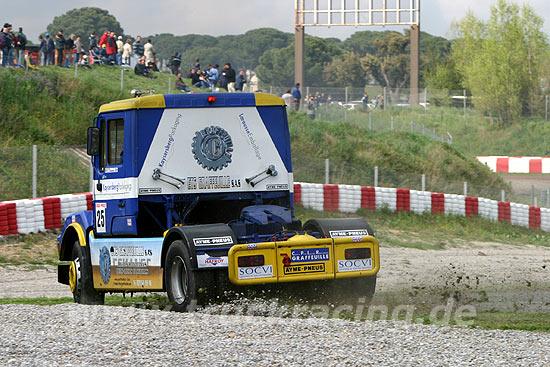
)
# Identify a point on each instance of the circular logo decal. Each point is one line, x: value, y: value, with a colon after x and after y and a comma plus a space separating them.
x: 105, y: 264
x: 212, y: 148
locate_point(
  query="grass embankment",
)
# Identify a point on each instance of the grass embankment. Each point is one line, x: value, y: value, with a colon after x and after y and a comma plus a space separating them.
x: 473, y: 134
x: 400, y: 156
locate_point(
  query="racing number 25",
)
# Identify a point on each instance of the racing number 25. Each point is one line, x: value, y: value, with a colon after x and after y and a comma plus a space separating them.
x: 100, y: 217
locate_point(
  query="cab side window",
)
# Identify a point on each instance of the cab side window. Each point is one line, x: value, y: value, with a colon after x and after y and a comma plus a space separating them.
x: 115, y: 142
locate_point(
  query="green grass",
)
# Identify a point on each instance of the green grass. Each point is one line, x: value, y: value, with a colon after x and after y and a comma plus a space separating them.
x: 512, y: 321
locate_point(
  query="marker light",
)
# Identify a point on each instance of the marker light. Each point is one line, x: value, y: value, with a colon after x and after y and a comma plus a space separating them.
x: 211, y: 99
x: 357, y: 253
x: 246, y: 261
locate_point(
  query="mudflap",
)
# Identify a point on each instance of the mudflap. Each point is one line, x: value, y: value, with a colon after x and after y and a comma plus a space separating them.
x: 304, y: 258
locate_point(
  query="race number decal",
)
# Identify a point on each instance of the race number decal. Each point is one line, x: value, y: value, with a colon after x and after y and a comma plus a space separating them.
x: 100, y: 217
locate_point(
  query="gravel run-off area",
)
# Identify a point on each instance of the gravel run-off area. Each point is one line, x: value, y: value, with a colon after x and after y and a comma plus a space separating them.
x: 509, y: 277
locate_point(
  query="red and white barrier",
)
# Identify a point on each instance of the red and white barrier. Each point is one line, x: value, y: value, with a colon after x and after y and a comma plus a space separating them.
x: 516, y: 164
x: 349, y: 198
x: 35, y: 215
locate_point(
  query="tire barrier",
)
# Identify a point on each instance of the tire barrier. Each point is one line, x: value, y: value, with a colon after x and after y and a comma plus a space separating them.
x: 516, y: 164
x: 350, y: 198
x: 36, y: 215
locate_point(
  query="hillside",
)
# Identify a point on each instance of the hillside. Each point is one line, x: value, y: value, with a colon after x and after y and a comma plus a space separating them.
x: 52, y: 107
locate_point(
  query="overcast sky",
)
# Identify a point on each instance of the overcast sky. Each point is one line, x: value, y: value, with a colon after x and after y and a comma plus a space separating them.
x: 219, y: 17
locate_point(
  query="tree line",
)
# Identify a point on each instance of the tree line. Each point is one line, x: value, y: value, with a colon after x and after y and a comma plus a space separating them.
x: 502, y: 62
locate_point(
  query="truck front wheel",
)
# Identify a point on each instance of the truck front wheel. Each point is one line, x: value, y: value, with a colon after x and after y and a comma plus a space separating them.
x: 181, y: 283
x: 80, y: 278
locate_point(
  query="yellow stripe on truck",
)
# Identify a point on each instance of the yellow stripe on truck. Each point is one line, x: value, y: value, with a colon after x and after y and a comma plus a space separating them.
x: 265, y: 99
x: 154, y: 101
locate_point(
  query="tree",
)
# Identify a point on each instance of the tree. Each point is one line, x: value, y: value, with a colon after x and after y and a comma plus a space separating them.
x: 389, y: 66
x: 84, y: 21
x: 502, y: 59
x: 277, y: 65
x: 344, y: 71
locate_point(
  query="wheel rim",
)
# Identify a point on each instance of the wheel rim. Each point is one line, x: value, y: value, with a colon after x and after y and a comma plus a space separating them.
x: 74, y: 275
x: 178, y: 280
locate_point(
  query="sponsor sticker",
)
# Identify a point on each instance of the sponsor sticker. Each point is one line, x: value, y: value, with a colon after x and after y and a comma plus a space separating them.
x: 310, y: 254
x: 349, y: 233
x: 111, y: 169
x: 207, y: 261
x: 304, y: 268
x: 213, y: 241
x: 276, y: 187
x: 252, y: 246
x: 255, y: 272
x: 354, y: 265
x: 150, y: 190
x: 129, y: 222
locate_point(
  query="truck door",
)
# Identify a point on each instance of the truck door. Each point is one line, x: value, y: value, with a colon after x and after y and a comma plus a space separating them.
x: 115, y: 191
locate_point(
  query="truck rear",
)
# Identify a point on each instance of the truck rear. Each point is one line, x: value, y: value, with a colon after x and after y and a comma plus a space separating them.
x: 194, y: 190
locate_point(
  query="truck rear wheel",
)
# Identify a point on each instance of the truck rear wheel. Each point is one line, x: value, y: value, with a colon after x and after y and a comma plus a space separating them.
x: 181, y: 283
x: 80, y: 278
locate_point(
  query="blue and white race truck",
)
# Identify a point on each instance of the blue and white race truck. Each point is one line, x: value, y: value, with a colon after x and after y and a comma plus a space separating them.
x: 192, y: 190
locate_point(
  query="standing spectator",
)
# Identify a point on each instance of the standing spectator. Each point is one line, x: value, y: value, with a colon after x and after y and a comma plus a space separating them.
x: 311, y: 108
x: 103, y: 39
x: 365, y: 102
x: 197, y: 64
x: 126, y: 52
x: 47, y: 48
x: 175, y: 63
x: 6, y: 40
x: 137, y: 47
x: 92, y: 40
x: 296, y: 96
x: 239, y: 84
x: 119, y: 50
x: 148, y: 51
x: 180, y: 84
x: 21, y: 43
x: 78, y: 49
x: 229, y: 74
x: 69, y: 47
x: 287, y: 97
x: 59, y: 47
x: 213, y: 75
x: 111, y: 48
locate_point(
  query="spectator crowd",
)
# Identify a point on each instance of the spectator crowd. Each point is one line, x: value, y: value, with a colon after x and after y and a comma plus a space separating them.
x: 112, y: 49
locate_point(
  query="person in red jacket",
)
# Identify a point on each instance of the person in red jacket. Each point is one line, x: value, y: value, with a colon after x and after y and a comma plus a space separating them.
x: 111, y: 48
x: 103, y: 39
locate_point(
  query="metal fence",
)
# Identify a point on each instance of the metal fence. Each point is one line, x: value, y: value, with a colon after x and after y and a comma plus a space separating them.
x: 35, y: 171
x: 319, y: 170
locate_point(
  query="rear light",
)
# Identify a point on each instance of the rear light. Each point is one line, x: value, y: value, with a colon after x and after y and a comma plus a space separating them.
x: 357, y: 253
x: 246, y: 261
x: 211, y: 99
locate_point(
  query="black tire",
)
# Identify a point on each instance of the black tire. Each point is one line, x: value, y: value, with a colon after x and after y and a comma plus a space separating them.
x: 83, y: 289
x: 181, y: 282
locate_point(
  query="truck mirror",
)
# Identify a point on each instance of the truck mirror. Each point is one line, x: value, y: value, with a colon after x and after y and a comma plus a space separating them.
x: 93, y: 141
